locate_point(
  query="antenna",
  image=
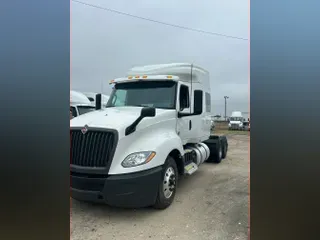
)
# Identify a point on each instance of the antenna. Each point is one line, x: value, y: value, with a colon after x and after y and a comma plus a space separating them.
x: 191, y: 88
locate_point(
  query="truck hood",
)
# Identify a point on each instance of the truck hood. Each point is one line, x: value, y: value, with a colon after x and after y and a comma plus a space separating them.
x: 119, y: 118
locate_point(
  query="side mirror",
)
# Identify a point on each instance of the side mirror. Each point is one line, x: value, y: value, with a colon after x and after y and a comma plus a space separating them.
x: 98, y: 101
x: 148, y: 112
x: 145, y: 112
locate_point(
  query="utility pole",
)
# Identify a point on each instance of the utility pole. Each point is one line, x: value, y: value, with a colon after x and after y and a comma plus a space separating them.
x: 225, y: 107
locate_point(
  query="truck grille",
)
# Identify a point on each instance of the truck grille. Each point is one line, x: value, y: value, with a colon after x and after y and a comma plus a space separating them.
x: 92, y: 149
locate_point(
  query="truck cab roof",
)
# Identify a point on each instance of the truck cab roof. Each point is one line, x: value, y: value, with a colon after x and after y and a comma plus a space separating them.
x: 174, y: 71
x: 78, y: 98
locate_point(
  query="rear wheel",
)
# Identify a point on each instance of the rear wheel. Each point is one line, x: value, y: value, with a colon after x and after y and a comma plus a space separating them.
x: 215, y: 145
x: 219, y: 153
x: 225, y: 150
x: 168, y: 184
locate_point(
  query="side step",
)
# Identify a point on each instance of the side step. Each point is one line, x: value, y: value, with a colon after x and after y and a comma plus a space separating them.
x: 190, y: 168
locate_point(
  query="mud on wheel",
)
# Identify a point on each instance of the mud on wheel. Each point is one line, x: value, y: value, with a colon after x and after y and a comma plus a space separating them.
x: 167, y: 187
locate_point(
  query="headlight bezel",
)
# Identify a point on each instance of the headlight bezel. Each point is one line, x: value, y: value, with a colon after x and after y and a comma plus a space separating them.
x: 148, y: 156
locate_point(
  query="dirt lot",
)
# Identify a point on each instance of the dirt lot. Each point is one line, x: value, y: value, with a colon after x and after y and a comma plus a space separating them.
x: 210, y: 204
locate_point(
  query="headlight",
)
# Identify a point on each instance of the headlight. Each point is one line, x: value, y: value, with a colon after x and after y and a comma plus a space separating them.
x: 229, y: 124
x: 137, y: 159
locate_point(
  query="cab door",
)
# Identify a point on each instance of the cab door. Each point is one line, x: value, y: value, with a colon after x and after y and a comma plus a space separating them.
x: 184, y: 123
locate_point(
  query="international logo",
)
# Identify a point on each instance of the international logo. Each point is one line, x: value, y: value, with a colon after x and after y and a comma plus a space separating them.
x: 84, y: 130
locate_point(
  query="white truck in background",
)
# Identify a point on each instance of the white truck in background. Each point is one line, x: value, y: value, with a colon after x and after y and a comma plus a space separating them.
x: 92, y: 98
x: 236, y: 121
x: 155, y: 128
x: 79, y: 104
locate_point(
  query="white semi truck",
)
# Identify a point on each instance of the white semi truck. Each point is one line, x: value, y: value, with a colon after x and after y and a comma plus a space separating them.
x: 79, y: 104
x: 236, y: 121
x: 156, y: 127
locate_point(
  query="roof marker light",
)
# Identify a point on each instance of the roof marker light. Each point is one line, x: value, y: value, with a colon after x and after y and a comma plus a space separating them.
x: 145, y: 76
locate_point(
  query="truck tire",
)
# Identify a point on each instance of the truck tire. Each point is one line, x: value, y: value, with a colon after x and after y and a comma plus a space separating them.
x: 224, y: 143
x: 168, y: 184
x: 216, y: 151
x: 224, y: 150
x: 219, y: 154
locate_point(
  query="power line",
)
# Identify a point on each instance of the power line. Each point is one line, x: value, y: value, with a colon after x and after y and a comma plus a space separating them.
x: 159, y: 22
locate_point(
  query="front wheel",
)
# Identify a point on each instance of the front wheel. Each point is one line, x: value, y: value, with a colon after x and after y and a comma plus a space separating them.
x: 168, y: 184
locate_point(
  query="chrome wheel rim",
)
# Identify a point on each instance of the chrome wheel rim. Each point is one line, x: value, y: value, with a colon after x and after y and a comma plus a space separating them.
x: 169, y: 182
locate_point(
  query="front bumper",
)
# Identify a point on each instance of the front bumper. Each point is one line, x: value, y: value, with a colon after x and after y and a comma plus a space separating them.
x: 235, y: 127
x: 132, y: 190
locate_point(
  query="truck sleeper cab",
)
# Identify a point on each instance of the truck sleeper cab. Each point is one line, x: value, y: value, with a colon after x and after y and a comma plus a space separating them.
x: 79, y: 104
x: 236, y: 121
x: 155, y: 128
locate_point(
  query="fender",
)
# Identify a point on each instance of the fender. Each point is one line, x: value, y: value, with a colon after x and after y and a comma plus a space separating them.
x: 160, y: 139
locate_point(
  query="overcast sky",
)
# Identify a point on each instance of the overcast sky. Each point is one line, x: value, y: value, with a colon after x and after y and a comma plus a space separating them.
x: 105, y: 45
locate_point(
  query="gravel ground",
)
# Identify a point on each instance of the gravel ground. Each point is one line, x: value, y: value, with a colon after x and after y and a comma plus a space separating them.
x: 210, y: 204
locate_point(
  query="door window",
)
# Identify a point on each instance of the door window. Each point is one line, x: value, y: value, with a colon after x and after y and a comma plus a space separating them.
x: 184, y: 99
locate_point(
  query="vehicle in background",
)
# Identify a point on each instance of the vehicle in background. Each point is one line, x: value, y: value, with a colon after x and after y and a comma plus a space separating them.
x: 79, y: 104
x: 92, y: 98
x: 156, y: 127
x: 236, y: 121
x: 212, y: 123
x: 246, y: 125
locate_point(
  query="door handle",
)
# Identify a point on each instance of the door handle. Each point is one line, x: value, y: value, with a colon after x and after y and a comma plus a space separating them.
x: 190, y: 125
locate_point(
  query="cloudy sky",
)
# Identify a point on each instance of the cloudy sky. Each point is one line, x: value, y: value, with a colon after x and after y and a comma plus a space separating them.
x: 105, y: 45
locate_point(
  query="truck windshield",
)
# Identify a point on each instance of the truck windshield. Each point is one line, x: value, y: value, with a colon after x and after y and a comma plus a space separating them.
x: 85, y: 109
x: 158, y: 94
x: 236, y: 119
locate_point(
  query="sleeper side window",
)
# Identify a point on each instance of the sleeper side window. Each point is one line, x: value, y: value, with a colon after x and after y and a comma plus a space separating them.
x: 198, y: 102
x: 208, y: 102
